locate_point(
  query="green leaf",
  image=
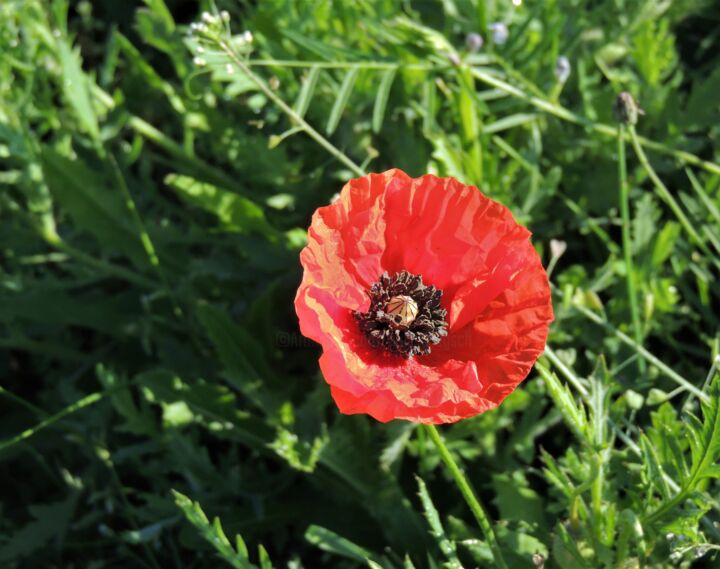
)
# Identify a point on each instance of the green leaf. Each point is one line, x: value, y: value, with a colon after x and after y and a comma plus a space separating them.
x: 307, y: 91
x: 341, y: 100
x: 212, y: 532
x: 49, y: 522
x: 235, y: 213
x: 652, y: 463
x: 76, y: 87
x: 705, y: 438
x: 87, y: 196
x: 572, y: 411
x: 381, y: 98
x: 242, y: 358
x: 431, y: 514
x: 329, y: 541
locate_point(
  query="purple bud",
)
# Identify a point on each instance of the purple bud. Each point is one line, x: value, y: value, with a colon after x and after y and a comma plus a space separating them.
x: 473, y: 42
x: 500, y: 32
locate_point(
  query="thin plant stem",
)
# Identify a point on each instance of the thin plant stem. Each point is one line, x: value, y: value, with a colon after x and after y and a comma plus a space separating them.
x: 145, y: 239
x: 627, y: 245
x: 663, y: 191
x: 469, y: 495
x: 284, y: 107
x: 649, y: 356
x: 101, y: 265
x: 86, y: 401
x: 562, y: 113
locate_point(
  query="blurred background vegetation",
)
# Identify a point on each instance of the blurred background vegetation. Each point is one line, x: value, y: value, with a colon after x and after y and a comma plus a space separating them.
x: 153, y: 201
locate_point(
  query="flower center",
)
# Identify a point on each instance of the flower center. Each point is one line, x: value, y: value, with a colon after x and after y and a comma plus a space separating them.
x: 405, y: 317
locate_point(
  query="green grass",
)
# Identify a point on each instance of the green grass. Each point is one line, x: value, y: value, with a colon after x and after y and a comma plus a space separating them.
x: 151, y: 214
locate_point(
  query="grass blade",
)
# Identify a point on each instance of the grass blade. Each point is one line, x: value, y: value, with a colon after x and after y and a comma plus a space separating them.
x: 381, y: 98
x: 341, y: 101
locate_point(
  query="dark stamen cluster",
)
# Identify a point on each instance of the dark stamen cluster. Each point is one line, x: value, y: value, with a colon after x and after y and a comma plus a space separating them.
x: 384, y: 331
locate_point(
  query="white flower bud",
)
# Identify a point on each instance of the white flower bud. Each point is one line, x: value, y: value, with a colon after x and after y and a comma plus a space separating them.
x: 562, y: 69
x: 200, y: 62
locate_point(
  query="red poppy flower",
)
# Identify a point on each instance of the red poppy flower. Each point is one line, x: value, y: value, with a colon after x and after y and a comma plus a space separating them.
x: 428, y: 299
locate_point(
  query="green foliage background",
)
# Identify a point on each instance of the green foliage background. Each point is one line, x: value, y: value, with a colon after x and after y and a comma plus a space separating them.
x: 151, y: 215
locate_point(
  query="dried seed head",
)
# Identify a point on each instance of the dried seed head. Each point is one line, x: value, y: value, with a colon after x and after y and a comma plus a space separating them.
x: 403, y: 311
x: 626, y: 109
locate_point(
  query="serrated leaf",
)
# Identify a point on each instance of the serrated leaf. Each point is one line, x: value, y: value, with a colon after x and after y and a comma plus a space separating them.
x: 213, y: 533
x: 341, y: 100
x: 381, y: 98
x: 572, y: 411
x: 652, y: 464
x: 438, y: 532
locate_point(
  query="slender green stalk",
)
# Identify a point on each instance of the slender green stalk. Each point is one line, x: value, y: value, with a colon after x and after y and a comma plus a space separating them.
x: 568, y: 115
x: 663, y: 192
x: 149, y: 132
x: 627, y: 244
x: 103, y: 266
x: 470, y: 497
x: 627, y: 340
x: 147, y: 243
x: 27, y: 433
x: 289, y: 111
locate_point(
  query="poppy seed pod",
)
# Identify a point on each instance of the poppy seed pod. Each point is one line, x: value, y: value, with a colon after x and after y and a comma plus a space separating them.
x: 428, y: 299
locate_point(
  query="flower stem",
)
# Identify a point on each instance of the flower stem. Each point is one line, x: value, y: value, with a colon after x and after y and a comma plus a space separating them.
x: 469, y: 495
x: 626, y: 244
x: 292, y: 115
x: 663, y: 191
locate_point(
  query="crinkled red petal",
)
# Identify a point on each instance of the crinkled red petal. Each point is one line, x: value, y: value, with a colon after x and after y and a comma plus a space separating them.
x: 495, y: 289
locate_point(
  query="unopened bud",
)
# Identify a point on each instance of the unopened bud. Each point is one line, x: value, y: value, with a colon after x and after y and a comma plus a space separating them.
x: 562, y: 69
x: 500, y: 32
x: 626, y: 109
x: 473, y: 42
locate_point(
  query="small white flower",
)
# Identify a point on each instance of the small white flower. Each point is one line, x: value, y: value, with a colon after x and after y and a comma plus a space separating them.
x: 517, y: 3
x: 200, y: 49
x: 200, y: 62
x: 670, y: 536
x: 225, y: 16
x: 208, y: 18
x: 229, y: 68
x: 247, y: 36
x: 500, y: 32
x: 562, y: 69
